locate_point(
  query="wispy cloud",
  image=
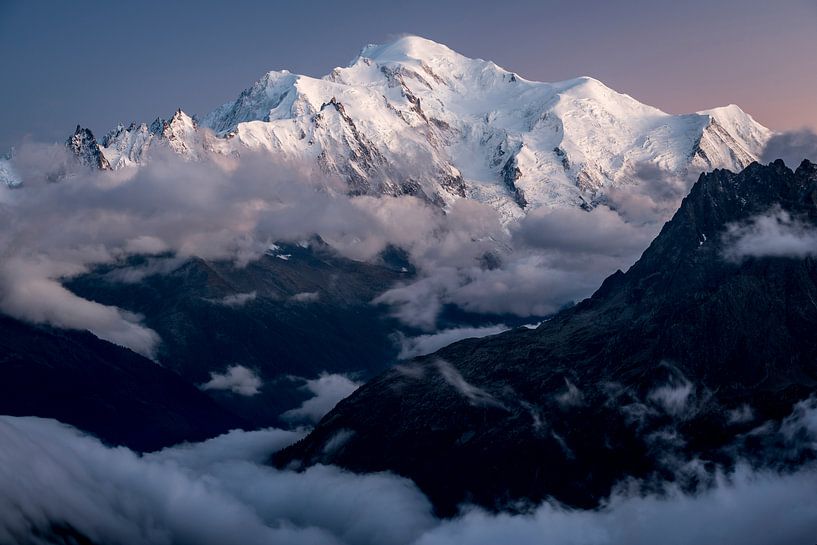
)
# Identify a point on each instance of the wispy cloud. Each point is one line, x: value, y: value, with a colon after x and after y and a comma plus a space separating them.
x: 235, y: 299
x: 237, y: 379
x: 327, y: 390
x: 421, y: 345
x: 774, y: 234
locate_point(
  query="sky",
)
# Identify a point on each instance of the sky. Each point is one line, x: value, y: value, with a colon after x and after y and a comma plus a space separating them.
x: 101, y: 63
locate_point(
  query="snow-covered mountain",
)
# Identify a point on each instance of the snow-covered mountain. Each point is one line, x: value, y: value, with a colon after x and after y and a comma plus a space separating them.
x: 84, y: 146
x: 414, y: 117
x: 8, y: 174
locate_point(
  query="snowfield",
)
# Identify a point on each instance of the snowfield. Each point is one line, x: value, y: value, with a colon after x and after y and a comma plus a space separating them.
x: 414, y: 117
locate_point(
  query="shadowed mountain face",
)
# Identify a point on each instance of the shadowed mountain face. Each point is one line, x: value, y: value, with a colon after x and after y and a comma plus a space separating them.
x: 678, y: 358
x: 296, y: 312
x: 109, y: 391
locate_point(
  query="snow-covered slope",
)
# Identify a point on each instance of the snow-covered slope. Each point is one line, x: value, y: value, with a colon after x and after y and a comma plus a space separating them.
x: 8, y: 175
x: 415, y: 117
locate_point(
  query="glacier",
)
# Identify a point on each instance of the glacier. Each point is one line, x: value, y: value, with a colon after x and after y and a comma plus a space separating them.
x: 413, y: 117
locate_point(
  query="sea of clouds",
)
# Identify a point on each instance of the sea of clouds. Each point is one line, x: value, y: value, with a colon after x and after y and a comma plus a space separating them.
x: 64, y: 220
x: 221, y: 491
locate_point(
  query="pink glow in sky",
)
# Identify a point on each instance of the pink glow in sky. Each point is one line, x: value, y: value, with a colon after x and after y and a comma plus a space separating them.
x: 103, y: 63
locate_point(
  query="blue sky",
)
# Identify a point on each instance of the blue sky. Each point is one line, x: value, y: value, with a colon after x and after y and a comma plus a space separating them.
x: 100, y: 63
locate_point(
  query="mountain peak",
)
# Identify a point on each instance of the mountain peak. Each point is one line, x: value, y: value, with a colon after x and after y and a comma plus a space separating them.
x: 407, y: 48
x: 487, y: 133
x: 735, y: 119
x: 85, y: 147
x: 181, y: 118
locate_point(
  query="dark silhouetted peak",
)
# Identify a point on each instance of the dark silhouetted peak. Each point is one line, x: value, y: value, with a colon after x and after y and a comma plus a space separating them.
x: 85, y: 148
x: 807, y: 169
x: 157, y: 126
x: 691, y: 244
x: 652, y: 368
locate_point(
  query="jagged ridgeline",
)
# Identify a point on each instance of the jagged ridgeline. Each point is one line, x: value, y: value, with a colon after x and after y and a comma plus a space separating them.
x: 414, y: 117
x: 677, y: 359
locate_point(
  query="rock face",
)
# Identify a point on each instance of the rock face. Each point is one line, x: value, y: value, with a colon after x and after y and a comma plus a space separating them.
x: 297, y: 312
x: 414, y: 117
x: 84, y: 146
x: 675, y: 359
x: 103, y: 389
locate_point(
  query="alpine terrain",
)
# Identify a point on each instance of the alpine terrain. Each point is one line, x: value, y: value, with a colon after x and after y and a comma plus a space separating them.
x: 413, y: 117
x: 693, y: 353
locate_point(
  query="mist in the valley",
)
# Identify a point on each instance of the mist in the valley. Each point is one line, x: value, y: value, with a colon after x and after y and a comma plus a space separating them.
x: 65, y: 219
x: 221, y: 491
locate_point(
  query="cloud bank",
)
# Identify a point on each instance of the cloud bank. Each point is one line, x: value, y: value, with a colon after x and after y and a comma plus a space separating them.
x: 195, y: 494
x: 744, y: 507
x: 64, y: 220
x: 219, y: 491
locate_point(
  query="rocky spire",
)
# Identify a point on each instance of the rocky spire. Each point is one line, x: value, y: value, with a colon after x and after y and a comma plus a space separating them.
x: 85, y: 147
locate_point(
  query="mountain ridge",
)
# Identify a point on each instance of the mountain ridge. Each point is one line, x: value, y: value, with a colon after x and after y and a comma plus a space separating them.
x: 414, y: 117
x: 689, y: 355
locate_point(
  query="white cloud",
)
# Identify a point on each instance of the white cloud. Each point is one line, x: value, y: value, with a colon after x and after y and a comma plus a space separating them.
x: 197, y: 494
x: 234, y: 210
x: 674, y: 398
x: 328, y: 390
x: 741, y: 415
x: 571, y: 396
x: 234, y: 446
x: 237, y: 378
x: 137, y: 273
x: 421, y: 345
x: 745, y: 507
x: 220, y: 491
x: 775, y: 234
x: 32, y: 293
x: 237, y: 299
x: 305, y: 297
x: 474, y: 394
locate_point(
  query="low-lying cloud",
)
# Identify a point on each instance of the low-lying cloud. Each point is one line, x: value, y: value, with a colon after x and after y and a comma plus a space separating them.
x: 58, y: 226
x: 237, y: 379
x: 600, y: 231
x: 475, y: 395
x: 213, y: 493
x: 774, y: 234
x: 411, y: 347
x: 743, y: 507
x: 220, y: 491
x: 327, y: 390
x: 30, y: 290
x: 236, y: 299
x: 305, y: 297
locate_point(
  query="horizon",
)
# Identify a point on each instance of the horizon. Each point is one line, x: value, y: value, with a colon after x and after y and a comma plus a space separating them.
x: 123, y: 80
